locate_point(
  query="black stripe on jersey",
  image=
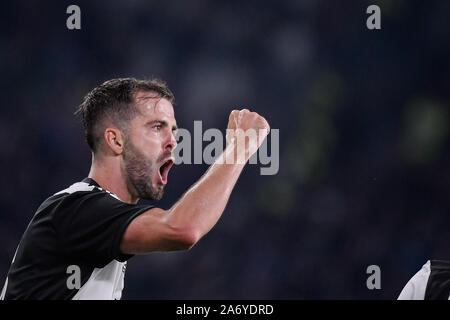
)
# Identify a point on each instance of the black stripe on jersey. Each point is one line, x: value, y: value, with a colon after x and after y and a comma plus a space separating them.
x: 438, y: 286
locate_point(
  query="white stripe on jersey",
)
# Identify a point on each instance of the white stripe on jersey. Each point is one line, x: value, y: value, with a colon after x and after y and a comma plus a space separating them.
x: 104, y: 284
x: 83, y: 186
x: 79, y: 186
x: 416, y: 286
x: 2, y: 295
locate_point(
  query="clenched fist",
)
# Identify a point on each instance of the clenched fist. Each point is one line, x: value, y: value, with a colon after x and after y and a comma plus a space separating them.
x: 247, y: 130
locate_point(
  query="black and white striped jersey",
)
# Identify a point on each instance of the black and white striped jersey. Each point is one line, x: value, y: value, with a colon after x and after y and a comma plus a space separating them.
x: 432, y: 282
x: 74, y: 233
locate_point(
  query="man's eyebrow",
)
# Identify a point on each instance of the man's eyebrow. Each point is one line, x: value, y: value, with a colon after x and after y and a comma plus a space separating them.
x: 163, y: 123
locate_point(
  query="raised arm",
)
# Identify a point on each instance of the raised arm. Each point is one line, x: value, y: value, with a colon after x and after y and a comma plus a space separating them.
x: 201, y: 206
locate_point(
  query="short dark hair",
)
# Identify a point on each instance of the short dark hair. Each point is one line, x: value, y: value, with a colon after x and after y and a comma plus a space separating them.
x: 115, y: 100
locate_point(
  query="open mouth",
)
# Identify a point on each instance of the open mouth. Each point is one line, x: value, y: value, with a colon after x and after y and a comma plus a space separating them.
x: 164, y: 170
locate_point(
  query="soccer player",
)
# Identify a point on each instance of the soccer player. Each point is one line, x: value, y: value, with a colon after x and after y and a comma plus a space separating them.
x: 77, y: 243
x: 432, y: 282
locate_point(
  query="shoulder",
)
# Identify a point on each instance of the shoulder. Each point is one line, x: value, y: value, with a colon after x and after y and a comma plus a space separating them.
x: 77, y: 187
x: 86, y: 189
x: 415, y: 288
x: 80, y: 198
x: 85, y: 186
x: 438, y: 287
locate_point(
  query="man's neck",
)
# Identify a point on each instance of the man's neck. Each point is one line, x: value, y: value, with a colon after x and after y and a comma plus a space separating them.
x: 111, y: 180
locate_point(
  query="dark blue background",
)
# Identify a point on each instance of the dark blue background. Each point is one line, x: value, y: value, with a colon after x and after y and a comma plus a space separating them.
x: 363, y: 118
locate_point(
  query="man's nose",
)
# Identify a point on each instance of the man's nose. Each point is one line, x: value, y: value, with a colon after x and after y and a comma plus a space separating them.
x: 171, y: 143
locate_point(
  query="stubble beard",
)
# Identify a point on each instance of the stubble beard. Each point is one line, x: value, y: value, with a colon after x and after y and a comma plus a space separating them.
x: 139, y: 173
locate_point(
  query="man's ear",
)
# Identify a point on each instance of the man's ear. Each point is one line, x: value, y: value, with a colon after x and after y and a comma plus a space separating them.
x: 115, y: 140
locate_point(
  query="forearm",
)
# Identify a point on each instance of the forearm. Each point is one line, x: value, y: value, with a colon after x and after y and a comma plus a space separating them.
x: 199, y: 209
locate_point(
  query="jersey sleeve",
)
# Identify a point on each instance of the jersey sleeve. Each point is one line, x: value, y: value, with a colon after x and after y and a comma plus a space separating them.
x: 416, y: 286
x: 90, y: 226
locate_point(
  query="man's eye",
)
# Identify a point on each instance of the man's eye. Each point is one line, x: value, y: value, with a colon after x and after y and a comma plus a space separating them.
x: 157, y: 127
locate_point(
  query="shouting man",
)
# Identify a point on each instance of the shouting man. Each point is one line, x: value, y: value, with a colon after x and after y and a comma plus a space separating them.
x: 77, y: 243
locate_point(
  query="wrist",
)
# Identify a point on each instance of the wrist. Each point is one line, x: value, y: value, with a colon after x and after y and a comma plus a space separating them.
x: 234, y: 153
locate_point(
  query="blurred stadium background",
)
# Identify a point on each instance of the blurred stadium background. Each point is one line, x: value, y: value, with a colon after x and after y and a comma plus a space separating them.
x: 363, y: 118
